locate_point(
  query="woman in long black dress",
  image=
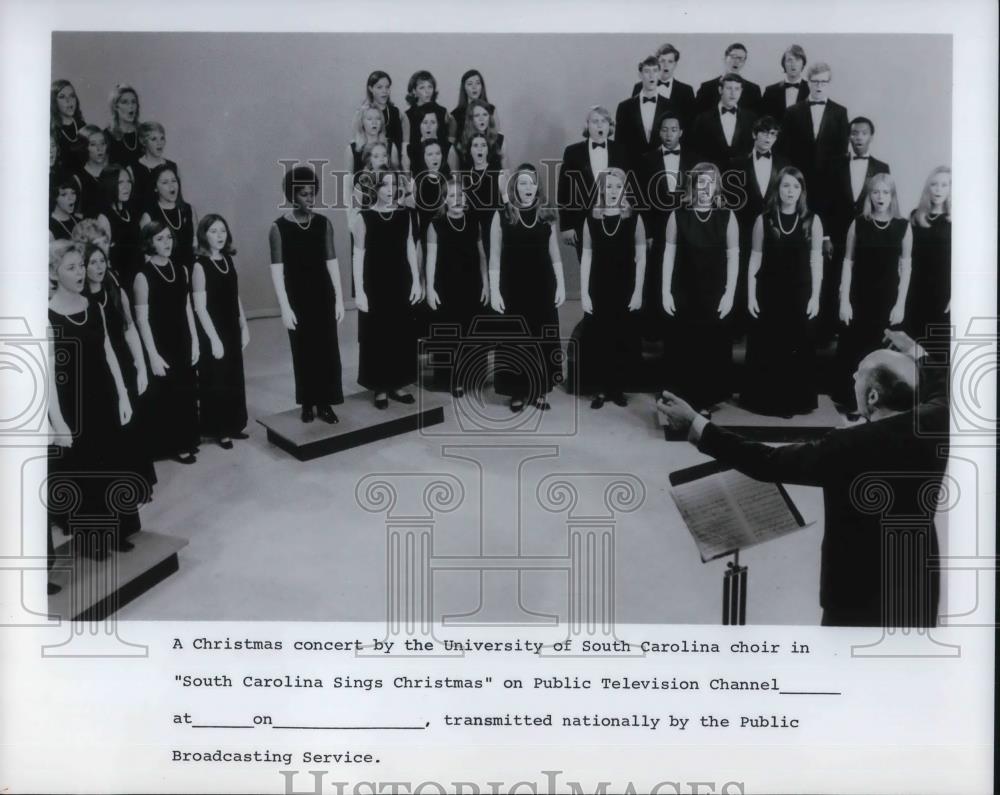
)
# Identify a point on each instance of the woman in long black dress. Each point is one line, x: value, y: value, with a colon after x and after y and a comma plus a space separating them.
x: 378, y: 88
x: 153, y: 139
x: 120, y: 220
x: 526, y: 282
x: 222, y: 334
x: 472, y: 86
x: 66, y: 120
x: 783, y: 289
x: 457, y: 285
x: 123, y: 132
x: 64, y: 216
x: 166, y: 325
x: 482, y: 180
x: 388, y: 285
x: 421, y: 95
x: 929, y: 298
x: 612, y: 274
x: 88, y: 405
x: 700, y: 267
x: 170, y: 209
x: 105, y: 288
x: 873, y: 283
x: 91, y: 203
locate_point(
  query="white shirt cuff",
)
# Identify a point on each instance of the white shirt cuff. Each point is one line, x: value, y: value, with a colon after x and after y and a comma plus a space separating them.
x: 697, y: 427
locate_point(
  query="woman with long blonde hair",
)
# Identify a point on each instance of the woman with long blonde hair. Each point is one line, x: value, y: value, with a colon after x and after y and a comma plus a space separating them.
x: 929, y: 300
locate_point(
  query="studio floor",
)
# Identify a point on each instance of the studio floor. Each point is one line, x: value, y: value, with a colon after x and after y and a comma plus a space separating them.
x: 273, y: 538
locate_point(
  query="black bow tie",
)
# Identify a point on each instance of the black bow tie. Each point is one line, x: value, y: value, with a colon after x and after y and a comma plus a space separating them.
x: 665, y: 83
x: 817, y: 102
x: 763, y: 154
x: 671, y: 151
x: 859, y: 157
x: 792, y: 85
x: 728, y: 110
x: 648, y: 99
x: 595, y: 145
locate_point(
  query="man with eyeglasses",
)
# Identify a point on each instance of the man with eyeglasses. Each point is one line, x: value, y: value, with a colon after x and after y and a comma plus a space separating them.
x: 814, y: 132
x: 733, y: 62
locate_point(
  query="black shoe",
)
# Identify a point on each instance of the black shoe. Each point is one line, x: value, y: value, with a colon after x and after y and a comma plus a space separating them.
x: 458, y: 392
x: 308, y: 415
x: 327, y: 415
x: 542, y: 404
x: 516, y: 405
x: 381, y: 402
x: 226, y: 444
x: 54, y: 589
x: 619, y: 399
x: 124, y: 545
x: 597, y: 402
x: 239, y: 435
x: 185, y: 458
x: 402, y: 397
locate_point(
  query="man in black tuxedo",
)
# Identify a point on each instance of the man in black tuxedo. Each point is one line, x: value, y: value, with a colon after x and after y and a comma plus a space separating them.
x: 637, y: 118
x: 582, y: 162
x: 734, y: 61
x: 725, y: 131
x: 843, y: 190
x: 814, y: 132
x: 748, y: 184
x: 872, y: 573
x: 779, y: 97
x: 662, y: 177
x: 680, y: 95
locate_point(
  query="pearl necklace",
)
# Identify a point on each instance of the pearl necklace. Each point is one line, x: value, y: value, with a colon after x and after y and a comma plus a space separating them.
x: 705, y: 219
x: 382, y: 216
x: 795, y: 223
x: 135, y: 139
x: 126, y: 216
x: 180, y: 218
x: 604, y: 227
x: 456, y: 228
x: 82, y: 322
x: 521, y: 220
x: 878, y: 225
x: 216, y: 264
x: 66, y: 229
x: 173, y: 273
x: 295, y: 221
x: 62, y: 129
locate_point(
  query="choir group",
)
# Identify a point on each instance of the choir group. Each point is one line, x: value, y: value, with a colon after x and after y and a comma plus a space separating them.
x: 698, y: 217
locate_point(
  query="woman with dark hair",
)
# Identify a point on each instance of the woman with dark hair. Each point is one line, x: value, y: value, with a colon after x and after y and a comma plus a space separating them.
x: 222, y: 334
x: 783, y: 288
x: 421, y: 96
x: 387, y: 281
x: 479, y: 120
x: 170, y: 208
x: 306, y: 278
x: 105, y: 289
x: 120, y: 220
x: 64, y: 217
x: 166, y: 325
x: 91, y: 203
x: 123, y: 133
x: 88, y: 405
x: 426, y: 129
x: 700, y: 269
x: 472, y: 86
x: 66, y: 121
x: 612, y: 273
x: 526, y: 282
x: 483, y: 180
x: 377, y: 90
x: 929, y: 299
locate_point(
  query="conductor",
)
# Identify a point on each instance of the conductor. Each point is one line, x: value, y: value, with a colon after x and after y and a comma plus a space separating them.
x: 873, y: 572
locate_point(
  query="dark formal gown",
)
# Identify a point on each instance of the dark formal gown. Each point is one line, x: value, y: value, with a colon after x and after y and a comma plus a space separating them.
x: 874, y: 286
x: 702, y: 357
x: 72, y: 147
x: 529, y: 362
x: 134, y: 435
x: 90, y: 203
x: 172, y: 399
x: 780, y: 375
x: 91, y: 479
x: 312, y: 297
x: 930, y: 282
x: 484, y: 199
x: 415, y: 113
x: 221, y: 385
x: 387, y: 356
x: 124, y: 151
x: 143, y: 189
x: 459, y: 284
x: 126, y: 255
x: 611, y: 338
x: 181, y: 221
x: 62, y: 230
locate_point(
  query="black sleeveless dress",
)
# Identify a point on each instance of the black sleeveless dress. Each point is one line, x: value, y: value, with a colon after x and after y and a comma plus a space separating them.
x: 610, y: 343
x: 143, y: 188
x: 63, y: 230
x: 91, y: 201
x: 874, y: 287
x: 387, y: 355
x: 135, y: 443
x: 124, y: 151
x: 930, y: 281
x: 181, y: 222
x: 780, y: 377
x: 459, y: 284
x: 415, y: 113
x: 393, y: 125
x: 313, y: 298
x: 702, y: 356
x: 221, y: 385
x: 172, y: 399
x: 72, y: 146
x: 90, y: 479
x: 529, y: 357
x: 482, y: 193
x: 126, y: 253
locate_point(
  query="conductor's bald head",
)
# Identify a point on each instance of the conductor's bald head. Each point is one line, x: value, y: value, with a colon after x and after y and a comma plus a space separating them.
x: 885, y: 382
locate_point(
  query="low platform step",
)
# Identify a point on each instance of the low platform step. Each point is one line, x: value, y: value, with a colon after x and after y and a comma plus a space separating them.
x: 360, y: 423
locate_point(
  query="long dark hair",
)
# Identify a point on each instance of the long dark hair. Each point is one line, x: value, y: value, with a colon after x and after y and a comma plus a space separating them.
x: 54, y: 118
x: 202, y: 232
x: 154, y: 177
x: 772, y: 209
x: 463, y: 99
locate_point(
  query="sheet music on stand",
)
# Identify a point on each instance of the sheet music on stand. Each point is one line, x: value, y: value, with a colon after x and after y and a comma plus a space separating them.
x: 727, y: 511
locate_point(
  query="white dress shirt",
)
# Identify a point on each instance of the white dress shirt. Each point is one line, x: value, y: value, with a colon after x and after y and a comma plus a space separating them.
x: 817, y: 116
x: 672, y: 167
x: 648, y: 111
x: 728, y: 125
x: 791, y: 94
x: 762, y: 170
x: 859, y: 173
x: 598, y: 158
x: 664, y: 89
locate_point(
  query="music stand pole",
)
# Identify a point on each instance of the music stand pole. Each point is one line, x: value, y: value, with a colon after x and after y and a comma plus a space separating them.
x: 734, y: 592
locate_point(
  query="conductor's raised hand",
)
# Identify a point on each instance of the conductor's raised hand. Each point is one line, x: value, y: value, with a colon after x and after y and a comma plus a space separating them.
x: 902, y: 342
x: 677, y: 412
